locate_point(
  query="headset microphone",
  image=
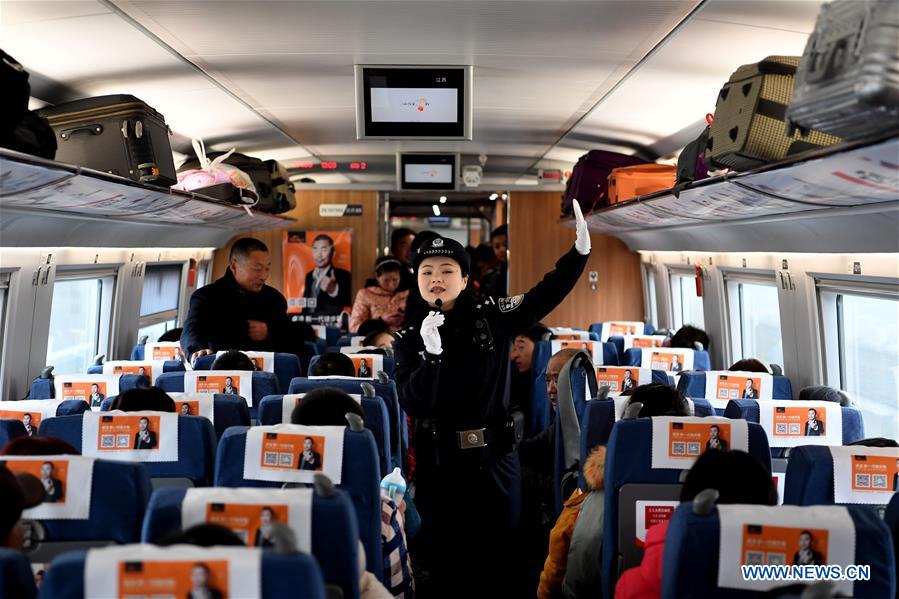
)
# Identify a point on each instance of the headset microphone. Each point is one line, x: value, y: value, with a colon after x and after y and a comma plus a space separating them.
x: 439, y: 303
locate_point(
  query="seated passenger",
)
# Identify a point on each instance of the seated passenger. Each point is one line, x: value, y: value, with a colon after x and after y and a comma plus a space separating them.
x: 379, y: 339
x: 688, y: 335
x: 536, y: 454
x: 556, y: 565
x: 375, y: 325
x: 522, y: 356
x: 239, y: 310
x: 202, y: 535
x: 171, y: 335
x: 144, y: 398
x: 748, y: 365
x: 737, y: 476
x: 333, y: 364
x: 384, y: 300
x: 18, y: 492
x: 659, y: 400
x: 38, y: 446
x: 327, y: 406
x: 233, y: 360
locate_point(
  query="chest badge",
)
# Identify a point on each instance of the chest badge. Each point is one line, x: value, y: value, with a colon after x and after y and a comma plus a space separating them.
x: 507, y: 304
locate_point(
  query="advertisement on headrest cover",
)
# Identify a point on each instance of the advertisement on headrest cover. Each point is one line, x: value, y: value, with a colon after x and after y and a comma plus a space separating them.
x: 631, y: 341
x: 721, y: 386
x: 127, y: 571
x: 791, y: 423
x: 130, y: 436
x: 67, y: 481
x: 228, y: 382
x: 678, y: 441
x: 865, y: 474
x: 263, y: 360
x: 90, y: 388
x: 195, y: 404
x: 163, y: 350
x: 622, y: 378
x: 591, y: 348
x: 291, y: 401
x: 621, y: 328
x: 249, y: 513
x: 30, y: 412
x: 293, y: 453
x: 148, y: 368
x: 367, y: 365
x: 783, y: 535
x: 671, y: 360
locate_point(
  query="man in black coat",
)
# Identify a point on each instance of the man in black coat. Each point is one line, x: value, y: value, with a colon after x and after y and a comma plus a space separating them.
x: 238, y: 311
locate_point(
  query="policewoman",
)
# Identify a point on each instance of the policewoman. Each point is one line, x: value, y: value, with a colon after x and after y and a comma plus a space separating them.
x: 452, y: 362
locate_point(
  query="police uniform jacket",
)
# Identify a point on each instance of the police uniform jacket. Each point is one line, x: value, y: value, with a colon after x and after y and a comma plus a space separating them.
x: 218, y: 315
x: 464, y: 388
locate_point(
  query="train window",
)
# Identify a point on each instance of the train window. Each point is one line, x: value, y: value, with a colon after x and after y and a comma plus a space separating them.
x: 685, y: 304
x: 860, y: 361
x: 79, y: 320
x: 160, y: 299
x: 202, y: 273
x: 754, y: 321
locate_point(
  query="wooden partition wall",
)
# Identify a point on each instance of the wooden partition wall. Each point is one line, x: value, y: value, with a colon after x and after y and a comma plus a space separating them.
x: 365, y: 233
x: 537, y: 239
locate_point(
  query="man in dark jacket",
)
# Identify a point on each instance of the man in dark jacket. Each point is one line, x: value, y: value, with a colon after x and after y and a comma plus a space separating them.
x: 238, y: 311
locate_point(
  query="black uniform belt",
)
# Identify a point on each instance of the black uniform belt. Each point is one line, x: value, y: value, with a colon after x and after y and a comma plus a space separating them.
x: 475, y: 438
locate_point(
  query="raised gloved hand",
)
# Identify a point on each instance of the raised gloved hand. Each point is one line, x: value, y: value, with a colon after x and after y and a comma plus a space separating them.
x: 582, y: 243
x: 429, y: 333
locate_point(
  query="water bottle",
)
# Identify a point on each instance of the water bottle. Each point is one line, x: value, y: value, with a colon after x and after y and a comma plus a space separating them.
x: 393, y: 486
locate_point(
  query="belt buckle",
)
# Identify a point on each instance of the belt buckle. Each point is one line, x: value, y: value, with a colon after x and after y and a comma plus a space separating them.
x: 472, y: 439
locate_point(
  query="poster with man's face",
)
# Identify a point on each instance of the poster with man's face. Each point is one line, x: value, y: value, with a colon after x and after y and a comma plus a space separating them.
x: 317, y: 272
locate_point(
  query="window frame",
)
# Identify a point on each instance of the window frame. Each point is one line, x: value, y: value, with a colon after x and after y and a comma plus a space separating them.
x: 733, y: 300
x: 650, y: 297
x: 675, y: 302
x: 5, y: 280
x: 165, y: 315
x: 107, y: 279
x: 829, y: 292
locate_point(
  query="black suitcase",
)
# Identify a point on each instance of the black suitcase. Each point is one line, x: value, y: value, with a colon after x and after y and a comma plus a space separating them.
x: 117, y: 134
x: 21, y: 129
x: 283, y: 193
x: 848, y: 79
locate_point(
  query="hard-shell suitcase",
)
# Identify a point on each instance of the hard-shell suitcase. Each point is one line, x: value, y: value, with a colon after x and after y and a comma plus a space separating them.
x: 21, y: 129
x: 848, y: 80
x: 748, y: 130
x: 590, y: 179
x: 634, y: 181
x: 117, y: 134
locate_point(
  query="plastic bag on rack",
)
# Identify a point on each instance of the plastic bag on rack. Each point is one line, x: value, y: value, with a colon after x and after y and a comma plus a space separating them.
x: 217, y: 179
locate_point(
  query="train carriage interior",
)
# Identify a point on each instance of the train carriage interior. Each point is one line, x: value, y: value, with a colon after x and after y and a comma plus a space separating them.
x: 419, y: 298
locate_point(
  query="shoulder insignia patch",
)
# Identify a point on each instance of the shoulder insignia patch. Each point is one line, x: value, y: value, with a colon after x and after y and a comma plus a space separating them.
x: 507, y: 304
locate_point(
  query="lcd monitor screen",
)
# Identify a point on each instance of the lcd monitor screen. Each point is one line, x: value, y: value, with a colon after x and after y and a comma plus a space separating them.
x: 427, y: 171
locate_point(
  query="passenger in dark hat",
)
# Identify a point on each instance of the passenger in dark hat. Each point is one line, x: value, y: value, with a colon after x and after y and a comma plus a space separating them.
x: 452, y: 364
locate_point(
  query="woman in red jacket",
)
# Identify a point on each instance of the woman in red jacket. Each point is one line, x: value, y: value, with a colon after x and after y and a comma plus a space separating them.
x: 738, y: 477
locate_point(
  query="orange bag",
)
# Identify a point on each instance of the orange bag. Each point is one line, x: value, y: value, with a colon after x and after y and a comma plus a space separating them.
x: 632, y: 181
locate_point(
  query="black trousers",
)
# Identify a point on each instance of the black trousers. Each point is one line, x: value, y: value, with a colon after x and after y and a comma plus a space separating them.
x: 470, y: 512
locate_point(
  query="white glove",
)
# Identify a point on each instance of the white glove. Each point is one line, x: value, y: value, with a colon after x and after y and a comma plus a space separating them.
x: 582, y: 243
x: 429, y: 333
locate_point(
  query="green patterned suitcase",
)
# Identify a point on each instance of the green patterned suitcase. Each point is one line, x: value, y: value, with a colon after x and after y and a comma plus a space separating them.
x: 749, y: 130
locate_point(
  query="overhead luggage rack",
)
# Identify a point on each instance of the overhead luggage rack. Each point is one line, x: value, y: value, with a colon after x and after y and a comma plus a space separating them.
x: 852, y: 179
x: 36, y: 186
